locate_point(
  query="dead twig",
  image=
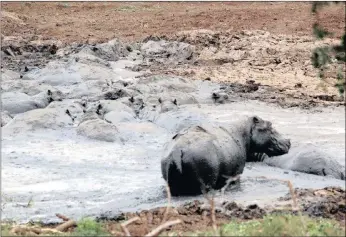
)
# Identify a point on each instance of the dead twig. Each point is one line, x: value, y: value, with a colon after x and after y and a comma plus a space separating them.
x: 126, y: 223
x: 64, y: 226
x: 293, y: 195
x: 62, y: 217
x: 165, y: 215
x: 212, y: 211
x: 34, y: 230
x: 162, y: 227
x: 228, y: 182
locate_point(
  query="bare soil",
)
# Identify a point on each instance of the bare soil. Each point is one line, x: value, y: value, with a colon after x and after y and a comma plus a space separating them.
x: 327, y: 203
x: 197, y: 216
x: 270, y: 42
x: 98, y: 22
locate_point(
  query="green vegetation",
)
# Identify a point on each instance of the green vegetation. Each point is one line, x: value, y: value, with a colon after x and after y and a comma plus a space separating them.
x: 5, y: 230
x: 89, y: 227
x: 270, y: 225
x: 278, y: 225
x: 322, y: 57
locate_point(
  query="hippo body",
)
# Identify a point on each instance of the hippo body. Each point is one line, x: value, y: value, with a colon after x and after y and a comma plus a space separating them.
x: 206, y: 156
x: 306, y: 158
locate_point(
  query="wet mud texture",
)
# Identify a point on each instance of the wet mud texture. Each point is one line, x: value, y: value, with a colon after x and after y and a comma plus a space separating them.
x: 100, y: 116
x: 327, y: 203
x: 196, y: 215
x: 277, y: 74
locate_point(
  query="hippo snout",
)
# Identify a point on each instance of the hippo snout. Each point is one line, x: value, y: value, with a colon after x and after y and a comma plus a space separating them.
x: 285, y: 147
x: 281, y: 147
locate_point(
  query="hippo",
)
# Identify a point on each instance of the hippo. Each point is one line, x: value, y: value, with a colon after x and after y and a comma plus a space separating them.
x: 306, y: 158
x: 205, y: 156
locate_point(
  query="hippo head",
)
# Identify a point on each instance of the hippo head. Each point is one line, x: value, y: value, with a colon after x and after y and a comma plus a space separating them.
x: 265, y: 139
x: 54, y: 95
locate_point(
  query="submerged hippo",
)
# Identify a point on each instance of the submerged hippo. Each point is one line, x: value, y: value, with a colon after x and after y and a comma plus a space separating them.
x: 306, y: 158
x: 205, y: 156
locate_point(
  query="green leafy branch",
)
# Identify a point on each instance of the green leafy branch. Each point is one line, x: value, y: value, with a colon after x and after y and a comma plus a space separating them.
x: 323, y: 56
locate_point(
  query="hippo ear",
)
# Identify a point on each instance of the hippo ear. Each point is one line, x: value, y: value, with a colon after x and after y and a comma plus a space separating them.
x: 175, y: 101
x: 132, y: 99
x: 256, y: 119
x: 160, y: 101
x: 49, y: 92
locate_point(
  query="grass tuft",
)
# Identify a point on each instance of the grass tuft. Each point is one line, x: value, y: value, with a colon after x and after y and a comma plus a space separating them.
x: 89, y: 227
x: 283, y: 225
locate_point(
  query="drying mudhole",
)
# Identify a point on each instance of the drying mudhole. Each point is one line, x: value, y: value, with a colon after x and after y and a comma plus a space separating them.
x: 83, y: 133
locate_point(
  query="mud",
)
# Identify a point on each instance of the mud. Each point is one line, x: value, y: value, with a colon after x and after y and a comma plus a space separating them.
x: 196, y: 215
x: 94, y: 148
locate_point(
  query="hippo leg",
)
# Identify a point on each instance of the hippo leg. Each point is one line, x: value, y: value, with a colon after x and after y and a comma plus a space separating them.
x: 186, y: 183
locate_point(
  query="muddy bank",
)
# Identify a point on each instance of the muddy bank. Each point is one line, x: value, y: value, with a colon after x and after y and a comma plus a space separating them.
x: 276, y: 69
x: 196, y: 215
x: 79, y: 128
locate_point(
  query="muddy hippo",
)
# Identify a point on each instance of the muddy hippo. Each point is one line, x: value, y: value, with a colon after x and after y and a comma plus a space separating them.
x: 205, y: 156
x: 305, y: 158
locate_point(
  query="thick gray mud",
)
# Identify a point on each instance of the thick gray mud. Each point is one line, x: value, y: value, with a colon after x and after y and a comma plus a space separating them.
x: 96, y: 150
x: 64, y: 173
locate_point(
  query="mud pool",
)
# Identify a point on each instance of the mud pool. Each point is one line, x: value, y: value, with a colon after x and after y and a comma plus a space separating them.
x: 64, y: 173
x: 52, y: 164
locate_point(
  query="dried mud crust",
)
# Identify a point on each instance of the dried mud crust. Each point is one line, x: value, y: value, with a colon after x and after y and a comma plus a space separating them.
x: 196, y: 216
x: 327, y: 203
x: 279, y: 65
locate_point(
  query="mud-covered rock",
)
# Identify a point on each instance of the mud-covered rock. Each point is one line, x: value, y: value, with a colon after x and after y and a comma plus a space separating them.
x: 166, y: 52
x: 99, y: 130
x: 116, y: 106
x: 88, y: 58
x: 17, y: 102
x: 73, y: 108
x: 110, y: 51
x: 37, y: 119
x: 132, y: 129
x: 116, y: 117
x: 9, y: 75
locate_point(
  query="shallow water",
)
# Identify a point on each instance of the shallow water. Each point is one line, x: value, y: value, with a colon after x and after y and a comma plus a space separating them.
x: 68, y: 174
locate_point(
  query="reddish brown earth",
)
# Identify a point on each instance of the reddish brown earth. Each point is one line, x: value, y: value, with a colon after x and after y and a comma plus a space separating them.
x: 101, y: 21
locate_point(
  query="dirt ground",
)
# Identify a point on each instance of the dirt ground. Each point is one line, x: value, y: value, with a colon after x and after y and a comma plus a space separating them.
x: 98, y: 22
x: 270, y: 43
x: 327, y: 203
x: 197, y: 215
